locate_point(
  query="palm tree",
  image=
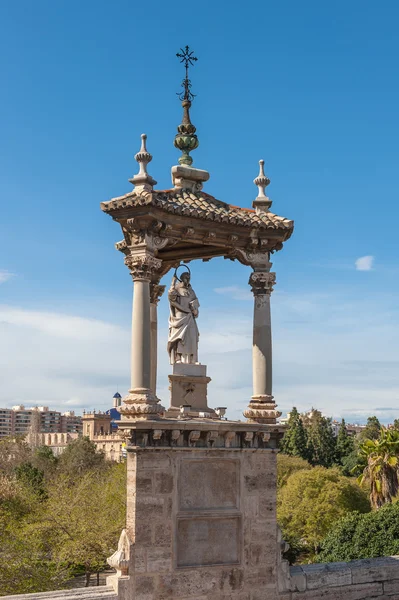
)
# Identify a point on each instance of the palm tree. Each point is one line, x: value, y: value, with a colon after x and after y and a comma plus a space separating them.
x: 381, y: 470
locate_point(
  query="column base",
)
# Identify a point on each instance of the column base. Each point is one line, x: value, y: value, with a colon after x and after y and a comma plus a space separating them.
x: 262, y: 409
x: 141, y: 404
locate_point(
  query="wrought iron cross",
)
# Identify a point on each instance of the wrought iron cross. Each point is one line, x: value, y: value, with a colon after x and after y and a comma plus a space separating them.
x: 187, y: 57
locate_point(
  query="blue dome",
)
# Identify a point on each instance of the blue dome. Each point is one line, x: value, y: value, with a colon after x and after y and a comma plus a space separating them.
x: 117, y: 395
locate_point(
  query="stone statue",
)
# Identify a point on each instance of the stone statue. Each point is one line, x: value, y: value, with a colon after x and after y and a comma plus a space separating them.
x: 183, y: 330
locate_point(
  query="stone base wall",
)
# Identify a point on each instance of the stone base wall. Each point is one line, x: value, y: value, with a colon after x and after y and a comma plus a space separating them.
x: 202, y: 524
x: 355, y: 580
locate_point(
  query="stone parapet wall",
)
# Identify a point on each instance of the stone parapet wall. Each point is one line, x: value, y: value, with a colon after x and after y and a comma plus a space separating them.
x: 90, y: 593
x: 355, y: 580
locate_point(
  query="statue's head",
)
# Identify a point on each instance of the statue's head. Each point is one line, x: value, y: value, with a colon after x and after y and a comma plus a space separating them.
x: 185, y: 278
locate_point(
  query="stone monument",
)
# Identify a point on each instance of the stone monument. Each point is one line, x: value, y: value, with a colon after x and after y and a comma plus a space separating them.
x: 201, y: 491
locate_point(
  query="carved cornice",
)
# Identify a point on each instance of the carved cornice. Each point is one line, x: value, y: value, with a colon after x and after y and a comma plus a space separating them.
x: 194, y: 437
x: 262, y: 283
x: 142, y: 266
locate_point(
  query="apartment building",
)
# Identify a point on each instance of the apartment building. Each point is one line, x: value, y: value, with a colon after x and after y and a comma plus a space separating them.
x: 38, y: 419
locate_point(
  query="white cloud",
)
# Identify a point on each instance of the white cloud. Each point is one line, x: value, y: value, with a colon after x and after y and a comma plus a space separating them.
x: 5, y: 276
x: 364, y: 263
x: 332, y: 351
x: 235, y: 292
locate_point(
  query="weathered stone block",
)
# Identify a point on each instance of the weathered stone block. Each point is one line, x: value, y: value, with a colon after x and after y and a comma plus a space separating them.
x: 143, y: 484
x: 327, y: 575
x: 163, y: 483
x: 145, y: 587
x: 364, y: 591
x: 163, y: 534
x: 140, y: 560
x: 376, y: 569
x: 205, y: 541
x: 298, y: 579
x: 159, y: 560
x: 208, y: 484
x: 391, y: 587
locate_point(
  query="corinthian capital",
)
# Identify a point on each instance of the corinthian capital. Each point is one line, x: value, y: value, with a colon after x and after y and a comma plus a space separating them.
x: 262, y: 283
x: 156, y: 292
x: 142, y: 266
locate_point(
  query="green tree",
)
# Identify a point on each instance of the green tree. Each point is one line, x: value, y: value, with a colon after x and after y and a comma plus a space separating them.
x: 25, y: 563
x: 363, y: 536
x: 13, y: 452
x: 313, y: 500
x: 294, y: 441
x: 83, y: 518
x: 80, y: 456
x: 371, y: 431
x: 381, y: 470
x: 395, y: 424
x: 287, y: 465
x: 32, y: 477
x: 321, y: 441
x: 43, y: 459
x: 345, y: 444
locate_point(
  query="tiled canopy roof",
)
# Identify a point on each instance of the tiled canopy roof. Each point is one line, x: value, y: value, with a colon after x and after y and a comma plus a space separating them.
x: 201, y: 206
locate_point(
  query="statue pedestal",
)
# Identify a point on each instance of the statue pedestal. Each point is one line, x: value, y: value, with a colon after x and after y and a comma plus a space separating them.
x: 188, y: 386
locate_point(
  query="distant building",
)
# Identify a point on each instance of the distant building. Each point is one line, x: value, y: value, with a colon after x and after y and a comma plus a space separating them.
x: 19, y: 420
x: 98, y: 427
x: 114, y: 412
x: 44, y: 427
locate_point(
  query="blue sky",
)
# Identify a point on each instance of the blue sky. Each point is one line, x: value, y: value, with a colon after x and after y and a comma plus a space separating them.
x: 311, y: 87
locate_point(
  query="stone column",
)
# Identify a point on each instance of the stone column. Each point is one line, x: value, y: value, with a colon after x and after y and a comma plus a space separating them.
x: 141, y: 401
x: 156, y: 292
x: 262, y: 407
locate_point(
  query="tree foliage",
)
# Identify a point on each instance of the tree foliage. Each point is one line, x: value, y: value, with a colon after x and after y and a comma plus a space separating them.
x: 313, y: 500
x: 381, y: 470
x: 57, y: 517
x: 321, y: 441
x: 345, y: 444
x: 371, y: 431
x: 287, y: 465
x: 363, y: 536
x: 294, y: 442
x: 79, y: 456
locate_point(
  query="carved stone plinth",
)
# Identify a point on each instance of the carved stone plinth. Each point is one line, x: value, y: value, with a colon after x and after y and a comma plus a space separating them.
x: 188, y: 386
x: 140, y: 404
x: 262, y: 409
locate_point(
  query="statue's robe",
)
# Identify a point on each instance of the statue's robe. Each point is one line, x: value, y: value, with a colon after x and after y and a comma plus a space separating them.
x: 183, y: 330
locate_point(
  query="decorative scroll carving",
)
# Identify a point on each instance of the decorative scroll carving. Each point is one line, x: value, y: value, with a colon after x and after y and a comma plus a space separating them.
x: 122, y: 247
x: 262, y: 282
x: 248, y: 438
x: 258, y: 260
x: 142, y: 266
x: 211, y: 438
x: 229, y: 437
x: 175, y: 436
x: 120, y: 559
x: 193, y: 438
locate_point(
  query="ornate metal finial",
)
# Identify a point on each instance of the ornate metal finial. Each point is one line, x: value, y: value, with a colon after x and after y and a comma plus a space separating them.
x: 262, y: 202
x: 186, y: 140
x: 143, y: 180
x: 188, y: 58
